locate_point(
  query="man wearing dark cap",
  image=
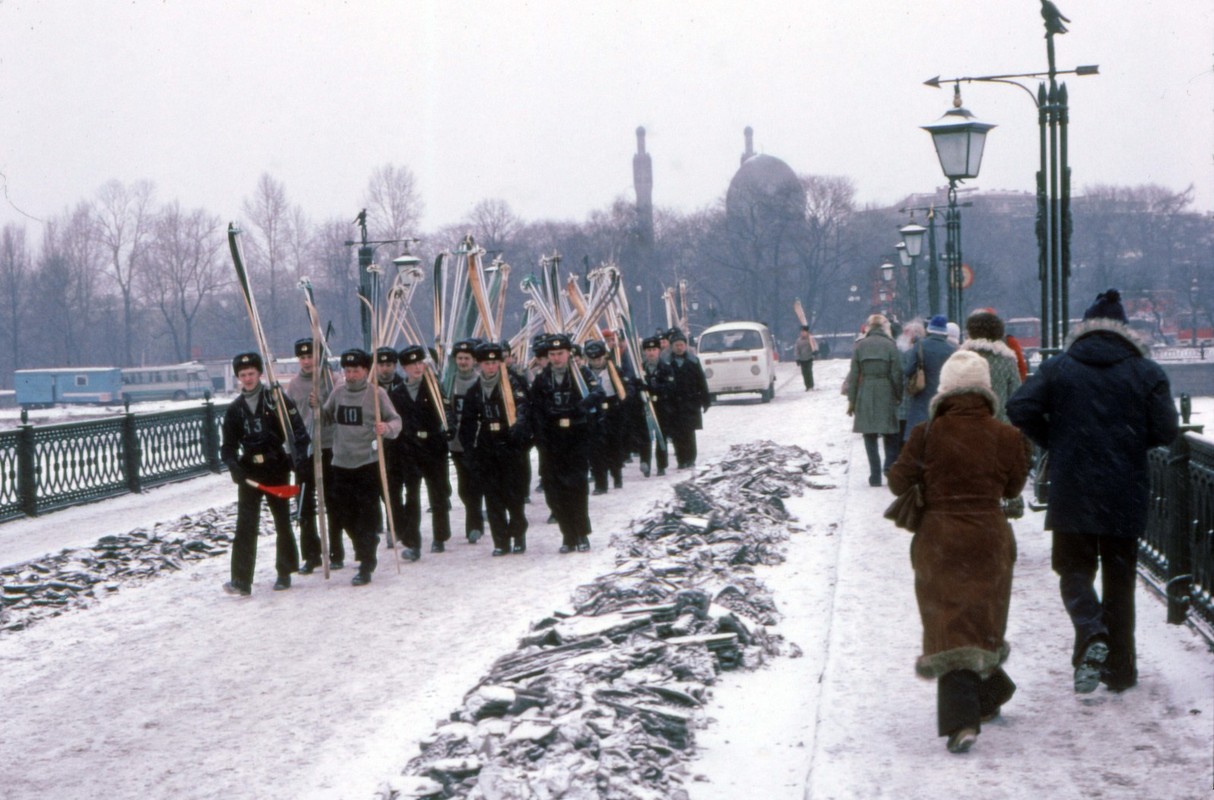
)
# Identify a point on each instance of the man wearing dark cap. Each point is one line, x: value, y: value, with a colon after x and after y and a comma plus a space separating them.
x: 658, y: 380
x: 466, y: 485
x: 387, y: 377
x: 1098, y: 407
x: 311, y: 387
x: 609, y: 443
x: 496, y: 447
x: 421, y: 450
x: 356, y: 485
x: 689, y: 399
x: 560, y: 414
x: 254, y: 449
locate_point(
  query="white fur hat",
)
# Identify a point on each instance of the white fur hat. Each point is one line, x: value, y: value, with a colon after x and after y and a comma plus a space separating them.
x: 965, y: 369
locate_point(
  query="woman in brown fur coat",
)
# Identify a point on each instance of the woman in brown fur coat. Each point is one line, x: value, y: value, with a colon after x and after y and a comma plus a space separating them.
x: 964, y: 550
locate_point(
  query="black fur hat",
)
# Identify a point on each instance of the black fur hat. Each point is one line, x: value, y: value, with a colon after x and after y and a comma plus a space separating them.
x: 246, y: 360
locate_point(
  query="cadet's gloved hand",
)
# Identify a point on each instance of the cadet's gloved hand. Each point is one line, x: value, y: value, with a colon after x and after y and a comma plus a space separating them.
x: 237, y: 472
x: 851, y: 410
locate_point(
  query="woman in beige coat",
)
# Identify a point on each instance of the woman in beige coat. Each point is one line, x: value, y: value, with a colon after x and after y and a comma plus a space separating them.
x: 964, y: 550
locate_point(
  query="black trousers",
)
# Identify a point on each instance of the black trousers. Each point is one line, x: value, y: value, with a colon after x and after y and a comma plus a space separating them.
x: 432, y: 470
x: 248, y: 521
x: 357, y: 493
x: 684, y: 441
x: 309, y: 536
x: 566, y: 487
x: 807, y: 373
x: 470, y: 494
x: 1109, y: 616
x: 963, y: 698
x: 498, y: 469
x: 610, y: 445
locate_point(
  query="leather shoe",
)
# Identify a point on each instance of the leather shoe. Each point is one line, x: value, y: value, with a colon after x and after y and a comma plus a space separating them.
x: 519, y: 548
x: 474, y: 536
x: 566, y: 548
x: 410, y: 554
x: 307, y: 569
x: 240, y: 590
x: 661, y: 471
x: 336, y: 563
x: 499, y: 551
x: 645, y: 470
x: 361, y: 579
x: 283, y: 583
x: 599, y: 491
x: 438, y: 547
x: 583, y: 544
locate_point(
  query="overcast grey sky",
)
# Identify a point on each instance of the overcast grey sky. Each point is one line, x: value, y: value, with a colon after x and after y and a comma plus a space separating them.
x: 536, y: 102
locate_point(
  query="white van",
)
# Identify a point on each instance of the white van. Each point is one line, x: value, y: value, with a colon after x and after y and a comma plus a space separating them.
x: 738, y: 357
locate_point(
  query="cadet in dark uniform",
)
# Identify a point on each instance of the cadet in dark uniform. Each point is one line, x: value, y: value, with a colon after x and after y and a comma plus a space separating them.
x: 561, y: 425
x: 300, y: 390
x: 609, y: 446
x: 658, y: 380
x: 421, y: 450
x: 465, y: 482
x: 356, y: 485
x: 388, y: 378
x: 498, y: 449
x: 254, y: 449
x: 688, y: 401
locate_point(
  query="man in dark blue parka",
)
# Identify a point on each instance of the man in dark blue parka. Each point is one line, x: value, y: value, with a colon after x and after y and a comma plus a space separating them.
x: 1098, y: 407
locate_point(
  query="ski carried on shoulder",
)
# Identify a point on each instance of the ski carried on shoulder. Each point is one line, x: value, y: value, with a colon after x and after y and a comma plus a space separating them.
x: 322, y: 385
x: 276, y: 395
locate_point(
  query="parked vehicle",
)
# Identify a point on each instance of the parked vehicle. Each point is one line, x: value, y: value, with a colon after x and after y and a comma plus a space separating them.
x: 738, y: 357
x: 189, y: 381
x: 44, y: 388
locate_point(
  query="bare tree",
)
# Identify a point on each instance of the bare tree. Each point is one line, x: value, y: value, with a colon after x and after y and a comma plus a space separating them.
x: 393, y: 203
x: 122, y: 223
x: 66, y: 283
x: 183, y: 270
x: 267, y: 246
x: 14, y: 290
x: 493, y: 224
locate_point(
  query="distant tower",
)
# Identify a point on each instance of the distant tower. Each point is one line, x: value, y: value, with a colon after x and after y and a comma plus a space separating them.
x: 749, y: 133
x: 642, y: 180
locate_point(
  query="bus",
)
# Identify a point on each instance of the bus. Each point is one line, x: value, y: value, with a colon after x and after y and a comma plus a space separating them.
x: 189, y: 381
x: 1027, y: 331
x: 46, y: 388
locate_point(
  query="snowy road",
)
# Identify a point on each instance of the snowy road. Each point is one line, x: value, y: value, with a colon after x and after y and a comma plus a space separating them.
x: 172, y: 689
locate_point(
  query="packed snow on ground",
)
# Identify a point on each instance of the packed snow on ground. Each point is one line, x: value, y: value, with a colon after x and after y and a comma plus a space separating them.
x: 170, y: 688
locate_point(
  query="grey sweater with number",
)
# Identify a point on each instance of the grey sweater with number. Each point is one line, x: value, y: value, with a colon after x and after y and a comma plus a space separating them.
x: 351, y: 410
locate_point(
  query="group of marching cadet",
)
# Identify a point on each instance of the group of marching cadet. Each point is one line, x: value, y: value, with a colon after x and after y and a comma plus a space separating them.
x: 582, y: 409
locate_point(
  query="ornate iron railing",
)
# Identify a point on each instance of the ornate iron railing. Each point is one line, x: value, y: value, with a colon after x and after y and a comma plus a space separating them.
x: 1177, y: 552
x: 44, y: 467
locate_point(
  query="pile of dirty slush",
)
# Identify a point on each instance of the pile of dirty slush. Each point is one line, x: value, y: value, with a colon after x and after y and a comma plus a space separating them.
x: 603, y: 699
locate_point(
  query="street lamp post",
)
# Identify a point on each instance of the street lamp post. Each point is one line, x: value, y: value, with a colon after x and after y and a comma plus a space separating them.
x: 369, y: 273
x: 911, y: 299
x: 933, y: 271
x: 959, y: 138
x: 1053, y: 179
x: 1193, y: 292
x: 912, y: 246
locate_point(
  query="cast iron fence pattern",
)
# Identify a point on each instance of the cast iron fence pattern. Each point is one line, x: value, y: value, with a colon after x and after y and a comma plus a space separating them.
x: 1177, y: 552
x: 44, y: 467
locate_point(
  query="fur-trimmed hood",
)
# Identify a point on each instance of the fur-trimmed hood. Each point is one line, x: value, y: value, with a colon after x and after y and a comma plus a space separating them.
x: 1099, y: 325
x: 986, y: 394
x: 989, y: 346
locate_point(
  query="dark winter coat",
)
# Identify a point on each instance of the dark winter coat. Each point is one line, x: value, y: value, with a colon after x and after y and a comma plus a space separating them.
x: 689, y: 397
x: 874, y: 384
x: 253, y: 441
x: 936, y: 349
x: 964, y: 551
x: 1098, y: 407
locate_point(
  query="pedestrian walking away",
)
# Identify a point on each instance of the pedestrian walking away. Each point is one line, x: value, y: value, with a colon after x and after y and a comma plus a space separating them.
x: 1098, y: 407
x: 804, y: 352
x: 874, y: 389
x: 930, y: 353
x: 254, y: 450
x: 963, y: 552
x: 469, y: 490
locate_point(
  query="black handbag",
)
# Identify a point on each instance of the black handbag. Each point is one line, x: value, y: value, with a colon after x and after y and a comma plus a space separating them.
x: 907, y: 509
